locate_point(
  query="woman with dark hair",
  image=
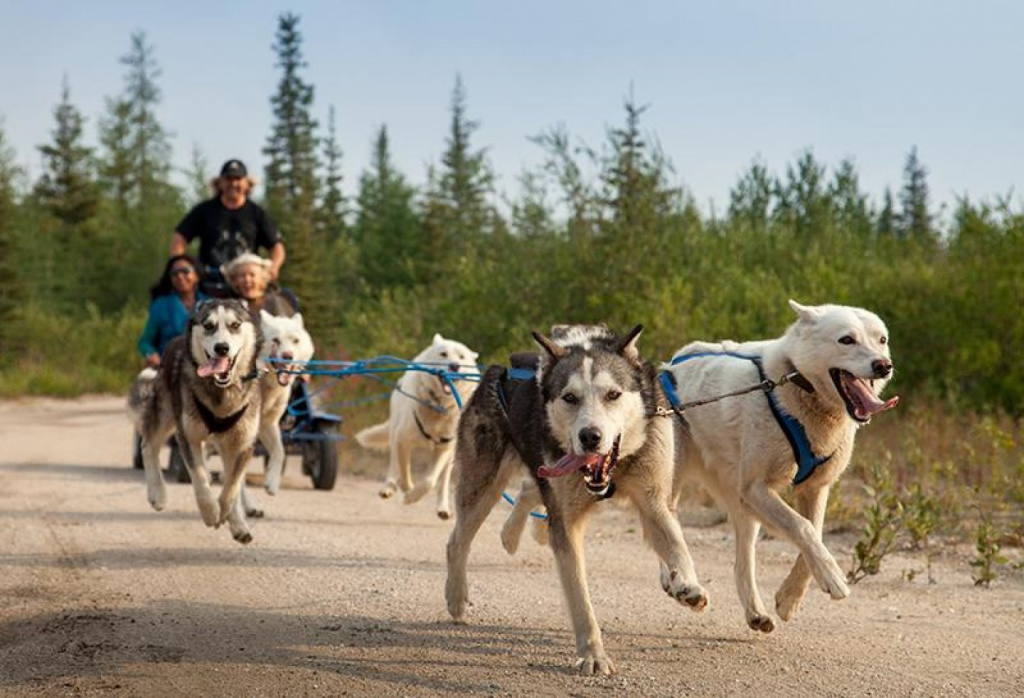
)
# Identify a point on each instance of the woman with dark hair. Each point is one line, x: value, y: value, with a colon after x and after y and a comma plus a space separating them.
x: 174, y: 296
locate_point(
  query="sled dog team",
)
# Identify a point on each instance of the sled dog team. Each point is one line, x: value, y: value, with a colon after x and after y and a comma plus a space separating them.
x: 584, y: 418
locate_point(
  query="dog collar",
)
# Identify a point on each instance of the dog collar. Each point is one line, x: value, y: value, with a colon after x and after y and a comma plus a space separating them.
x: 796, y: 435
x: 438, y: 440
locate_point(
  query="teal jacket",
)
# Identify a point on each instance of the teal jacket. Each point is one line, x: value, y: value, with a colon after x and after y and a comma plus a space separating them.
x: 167, y: 319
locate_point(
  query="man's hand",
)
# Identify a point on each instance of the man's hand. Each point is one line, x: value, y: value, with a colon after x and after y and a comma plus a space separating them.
x: 153, y: 361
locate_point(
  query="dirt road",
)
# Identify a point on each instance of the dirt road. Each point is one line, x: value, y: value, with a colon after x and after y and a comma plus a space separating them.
x: 341, y: 593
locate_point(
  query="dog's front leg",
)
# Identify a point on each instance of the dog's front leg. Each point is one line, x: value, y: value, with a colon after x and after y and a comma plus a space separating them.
x: 235, y: 463
x: 663, y: 532
x: 399, y: 466
x: 444, y: 506
x: 441, y: 455
x: 767, y: 505
x: 811, y: 503
x: 270, y: 437
x: 194, y: 461
x: 512, y: 531
x: 156, y: 490
x: 567, y: 544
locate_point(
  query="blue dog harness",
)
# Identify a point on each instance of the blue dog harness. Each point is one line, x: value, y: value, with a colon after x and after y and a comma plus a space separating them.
x: 803, y: 452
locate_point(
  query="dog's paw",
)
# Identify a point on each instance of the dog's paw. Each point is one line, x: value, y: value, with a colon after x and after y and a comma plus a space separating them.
x: 832, y: 580
x: 595, y: 664
x: 510, y: 536
x: 786, y: 605
x: 272, y: 485
x: 158, y: 502
x: 761, y: 623
x: 243, y: 537
x: 254, y: 513
x: 444, y: 514
x: 688, y: 593
x: 210, y: 511
x: 388, y: 490
x: 540, y: 532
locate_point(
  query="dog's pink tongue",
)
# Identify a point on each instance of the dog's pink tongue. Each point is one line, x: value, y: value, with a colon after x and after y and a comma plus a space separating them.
x: 569, y: 463
x: 218, y: 364
x: 870, y: 403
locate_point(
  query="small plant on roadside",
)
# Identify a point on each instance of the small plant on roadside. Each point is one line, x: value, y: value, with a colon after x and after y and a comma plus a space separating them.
x: 986, y: 543
x: 883, y: 520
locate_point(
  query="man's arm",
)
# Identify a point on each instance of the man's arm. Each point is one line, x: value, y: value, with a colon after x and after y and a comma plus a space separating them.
x: 277, y: 256
x: 178, y: 244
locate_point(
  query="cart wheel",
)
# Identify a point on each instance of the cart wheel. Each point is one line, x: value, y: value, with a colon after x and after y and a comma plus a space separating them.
x: 320, y: 458
x: 176, y: 468
x: 137, y: 451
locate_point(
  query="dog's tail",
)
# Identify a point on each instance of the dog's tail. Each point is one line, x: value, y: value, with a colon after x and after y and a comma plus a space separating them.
x: 141, y: 393
x: 376, y: 437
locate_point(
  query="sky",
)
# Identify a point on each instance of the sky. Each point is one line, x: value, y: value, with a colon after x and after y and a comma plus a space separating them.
x: 725, y: 83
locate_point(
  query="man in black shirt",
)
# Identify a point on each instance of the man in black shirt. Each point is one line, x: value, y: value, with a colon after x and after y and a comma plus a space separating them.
x: 228, y: 225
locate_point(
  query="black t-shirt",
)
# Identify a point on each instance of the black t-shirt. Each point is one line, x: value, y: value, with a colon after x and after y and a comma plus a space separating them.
x: 224, y: 233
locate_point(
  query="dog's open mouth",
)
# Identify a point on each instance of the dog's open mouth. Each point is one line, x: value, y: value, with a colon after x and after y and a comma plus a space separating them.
x: 861, y: 401
x: 219, y: 367
x: 596, y: 468
x: 284, y: 371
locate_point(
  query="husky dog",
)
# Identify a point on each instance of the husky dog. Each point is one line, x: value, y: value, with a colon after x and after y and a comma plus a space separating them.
x: 423, y: 415
x: 287, y: 343
x: 206, y: 389
x: 585, y: 426
x: 746, y: 449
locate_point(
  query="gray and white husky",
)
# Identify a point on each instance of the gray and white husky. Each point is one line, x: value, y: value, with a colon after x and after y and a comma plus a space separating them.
x: 585, y: 425
x: 205, y: 390
x: 423, y: 414
x: 745, y: 450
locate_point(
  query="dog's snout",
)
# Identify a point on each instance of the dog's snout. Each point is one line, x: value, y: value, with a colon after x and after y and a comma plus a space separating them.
x: 453, y: 368
x: 221, y: 348
x: 287, y: 356
x: 590, y: 438
x: 881, y: 367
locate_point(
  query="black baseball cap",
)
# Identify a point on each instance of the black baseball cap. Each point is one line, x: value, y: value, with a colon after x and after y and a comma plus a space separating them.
x: 233, y: 168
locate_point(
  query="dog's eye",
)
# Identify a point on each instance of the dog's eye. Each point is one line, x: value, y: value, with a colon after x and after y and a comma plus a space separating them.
x: 883, y: 339
x: 613, y: 395
x: 235, y: 326
x: 847, y: 339
x: 570, y: 399
x: 444, y: 355
x: 209, y: 326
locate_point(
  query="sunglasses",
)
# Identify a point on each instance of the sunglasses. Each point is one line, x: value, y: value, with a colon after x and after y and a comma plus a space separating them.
x: 182, y: 271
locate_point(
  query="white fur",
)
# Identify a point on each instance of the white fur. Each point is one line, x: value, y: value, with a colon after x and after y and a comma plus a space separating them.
x: 415, y: 393
x: 735, y: 448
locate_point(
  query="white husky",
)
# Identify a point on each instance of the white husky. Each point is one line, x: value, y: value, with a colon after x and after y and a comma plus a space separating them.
x: 424, y: 414
x: 746, y: 449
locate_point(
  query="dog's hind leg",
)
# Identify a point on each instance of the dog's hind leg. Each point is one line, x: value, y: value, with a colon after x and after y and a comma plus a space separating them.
x: 747, y: 529
x: 270, y: 437
x: 444, y: 506
x: 399, y: 468
x: 481, y: 480
x: 150, y: 443
x: 778, y: 516
x: 567, y: 544
x: 230, y: 507
x: 811, y: 503
x: 442, y: 458
x: 250, y: 506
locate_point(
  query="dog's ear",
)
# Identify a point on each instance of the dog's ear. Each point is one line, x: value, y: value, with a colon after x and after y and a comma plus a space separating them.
x: 438, y: 338
x: 297, y: 317
x: 627, y: 345
x: 807, y: 313
x: 265, y: 316
x: 555, y: 351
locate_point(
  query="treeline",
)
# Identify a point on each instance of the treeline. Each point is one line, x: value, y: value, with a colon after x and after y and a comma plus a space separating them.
x: 597, y: 234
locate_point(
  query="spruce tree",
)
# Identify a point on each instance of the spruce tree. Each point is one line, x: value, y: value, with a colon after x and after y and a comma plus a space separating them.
x: 67, y: 188
x: 886, y: 226
x: 11, y: 289
x: 457, y: 209
x: 387, y: 231
x: 915, y: 221
x: 292, y: 186
x: 333, y: 205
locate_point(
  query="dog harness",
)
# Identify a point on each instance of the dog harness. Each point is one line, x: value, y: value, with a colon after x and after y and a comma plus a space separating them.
x: 439, y: 440
x: 215, y: 424
x: 803, y: 452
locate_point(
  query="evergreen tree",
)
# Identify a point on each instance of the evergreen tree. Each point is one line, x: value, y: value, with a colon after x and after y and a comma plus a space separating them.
x: 915, y: 221
x: 11, y: 290
x: 457, y: 210
x: 68, y: 193
x: 750, y: 201
x: 333, y: 205
x: 851, y: 207
x: 198, y: 177
x: 135, y: 168
x: 67, y: 187
x: 886, y: 224
x: 292, y: 186
x: 387, y: 232
x: 804, y: 203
